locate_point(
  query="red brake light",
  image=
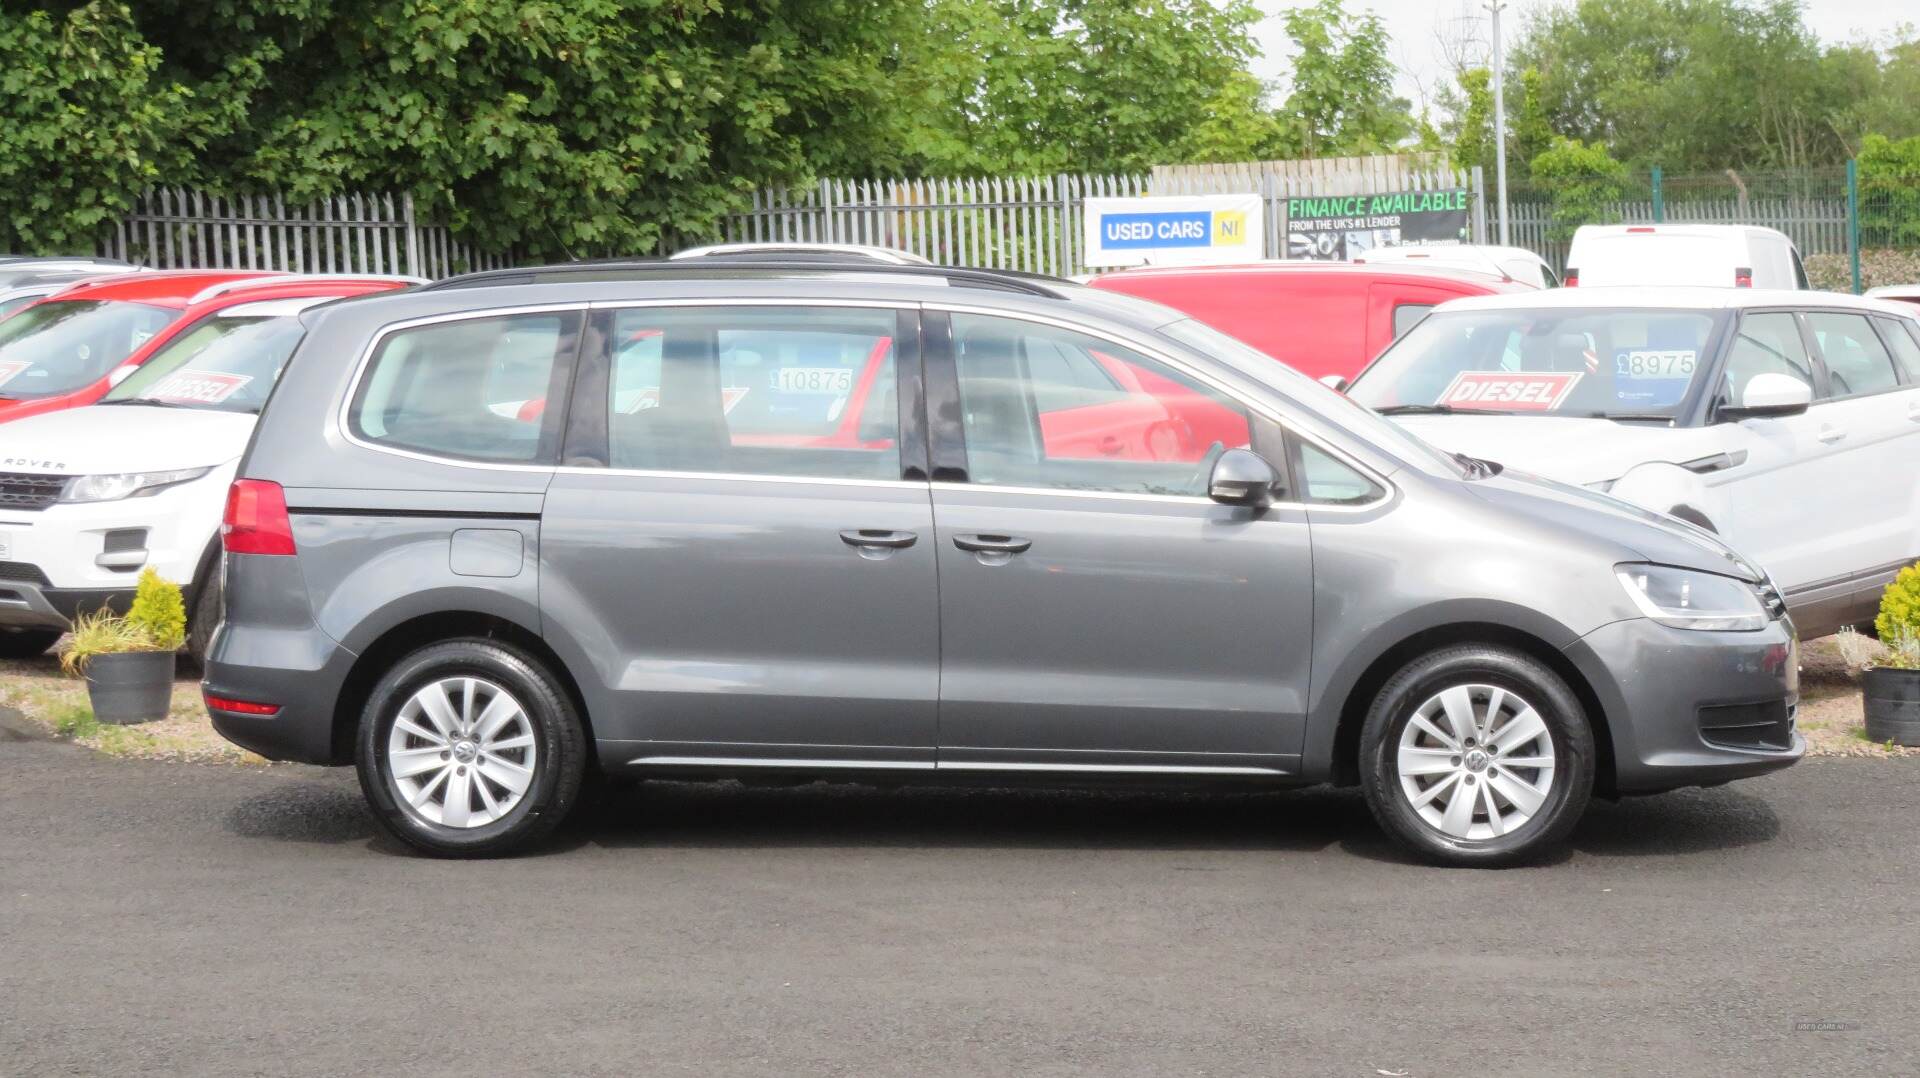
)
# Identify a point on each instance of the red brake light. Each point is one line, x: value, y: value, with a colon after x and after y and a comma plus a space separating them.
x: 1571, y: 280
x: 1743, y: 277
x: 1641, y: 228
x: 256, y: 520
x: 238, y: 707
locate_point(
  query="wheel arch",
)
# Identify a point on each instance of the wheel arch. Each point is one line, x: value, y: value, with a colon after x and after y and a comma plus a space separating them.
x: 417, y: 632
x: 1344, y: 765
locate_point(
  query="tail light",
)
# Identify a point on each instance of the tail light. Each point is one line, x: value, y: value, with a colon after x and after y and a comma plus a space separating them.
x: 1571, y: 280
x: 256, y: 520
x: 1641, y: 229
x: 1743, y: 277
x: 238, y: 707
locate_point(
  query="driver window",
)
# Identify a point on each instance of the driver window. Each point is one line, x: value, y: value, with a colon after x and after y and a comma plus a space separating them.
x: 1048, y: 407
x: 1767, y: 343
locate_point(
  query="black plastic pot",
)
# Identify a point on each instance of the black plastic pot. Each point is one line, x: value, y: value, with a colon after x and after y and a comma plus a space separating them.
x: 130, y: 687
x: 1892, y: 699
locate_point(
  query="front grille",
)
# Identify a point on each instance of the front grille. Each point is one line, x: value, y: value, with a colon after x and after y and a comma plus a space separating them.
x: 20, y: 572
x: 25, y: 490
x: 1748, y: 726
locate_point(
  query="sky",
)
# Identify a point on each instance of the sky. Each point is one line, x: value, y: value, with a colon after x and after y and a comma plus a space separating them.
x: 1418, y: 25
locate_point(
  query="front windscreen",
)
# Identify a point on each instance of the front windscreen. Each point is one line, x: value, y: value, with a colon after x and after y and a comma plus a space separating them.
x: 228, y: 364
x: 1618, y: 363
x: 60, y: 346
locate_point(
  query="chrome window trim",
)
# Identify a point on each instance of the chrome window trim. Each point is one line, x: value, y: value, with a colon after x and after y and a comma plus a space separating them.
x: 1146, y: 347
x: 1157, y: 352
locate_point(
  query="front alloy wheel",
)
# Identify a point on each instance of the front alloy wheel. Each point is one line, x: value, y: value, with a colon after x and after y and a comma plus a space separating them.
x: 1475, y: 761
x: 1476, y: 755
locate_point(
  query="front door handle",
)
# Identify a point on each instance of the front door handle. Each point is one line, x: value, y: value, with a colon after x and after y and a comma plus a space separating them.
x: 992, y: 544
x: 1830, y: 435
x: 877, y: 538
x: 1913, y: 411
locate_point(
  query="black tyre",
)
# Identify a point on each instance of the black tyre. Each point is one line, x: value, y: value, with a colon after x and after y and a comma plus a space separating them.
x: 470, y: 748
x: 1477, y: 755
x: 204, y: 618
x: 26, y: 643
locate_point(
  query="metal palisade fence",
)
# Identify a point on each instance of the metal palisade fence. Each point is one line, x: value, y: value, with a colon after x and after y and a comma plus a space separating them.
x: 1027, y: 223
x: 171, y: 228
x: 1036, y: 223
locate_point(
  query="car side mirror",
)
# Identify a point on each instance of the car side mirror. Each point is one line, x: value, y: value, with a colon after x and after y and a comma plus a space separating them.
x: 119, y: 375
x: 1770, y: 394
x: 1335, y: 382
x: 1243, y: 477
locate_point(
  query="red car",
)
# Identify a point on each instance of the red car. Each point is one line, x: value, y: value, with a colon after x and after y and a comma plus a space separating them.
x: 1319, y: 318
x: 63, y: 351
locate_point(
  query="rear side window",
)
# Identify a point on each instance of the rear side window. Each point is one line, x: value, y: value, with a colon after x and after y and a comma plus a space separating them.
x: 783, y: 391
x: 473, y: 389
x: 1901, y: 338
x: 1857, y: 363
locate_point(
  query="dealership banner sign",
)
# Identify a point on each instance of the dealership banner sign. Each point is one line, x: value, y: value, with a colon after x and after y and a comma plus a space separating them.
x: 1170, y: 230
x: 1342, y: 227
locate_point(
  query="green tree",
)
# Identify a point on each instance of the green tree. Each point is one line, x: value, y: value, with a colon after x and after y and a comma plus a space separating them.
x: 1584, y: 182
x: 86, y: 122
x: 1024, y: 86
x: 1342, y: 99
x: 1890, y: 191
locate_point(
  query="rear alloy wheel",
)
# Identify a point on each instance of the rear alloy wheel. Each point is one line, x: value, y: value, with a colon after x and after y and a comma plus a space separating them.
x: 470, y: 748
x: 1477, y: 756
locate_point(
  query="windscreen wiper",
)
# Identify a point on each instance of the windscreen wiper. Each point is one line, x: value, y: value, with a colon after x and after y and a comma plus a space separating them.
x: 1417, y: 409
x: 1630, y: 416
x: 148, y: 402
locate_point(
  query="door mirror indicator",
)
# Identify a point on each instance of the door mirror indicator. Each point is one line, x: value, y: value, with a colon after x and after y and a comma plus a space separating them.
x: 1335, y: 382
x: 1770, y: 394
x: 1243, y: 477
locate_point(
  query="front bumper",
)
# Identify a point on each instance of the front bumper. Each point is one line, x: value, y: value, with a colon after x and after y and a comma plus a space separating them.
x: 1675, y: 701
x: 73, y: 557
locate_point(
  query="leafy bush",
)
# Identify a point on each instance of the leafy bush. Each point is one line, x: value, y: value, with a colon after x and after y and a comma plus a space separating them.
x: 1586, y: 184
x: 159, y: 611
x: 1899, y: 620
x: 86, y: 122
x: 101, y: 632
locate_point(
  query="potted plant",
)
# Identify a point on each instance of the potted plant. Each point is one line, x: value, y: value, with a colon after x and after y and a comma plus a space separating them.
x: 1890, y: 692
x: 128, y: 659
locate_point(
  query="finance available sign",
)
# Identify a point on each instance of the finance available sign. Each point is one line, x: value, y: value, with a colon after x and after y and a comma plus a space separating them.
x: 1184, y: 230
x: 1342, y: 227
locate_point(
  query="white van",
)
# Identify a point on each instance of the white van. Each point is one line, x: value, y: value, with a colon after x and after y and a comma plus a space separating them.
x: 1509, y: 263
x: 1725, y: 256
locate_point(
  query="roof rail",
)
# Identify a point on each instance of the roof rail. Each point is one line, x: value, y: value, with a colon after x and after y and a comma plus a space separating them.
x: 851, y: 252
x: 1032, y: 284
x: 272, y: 280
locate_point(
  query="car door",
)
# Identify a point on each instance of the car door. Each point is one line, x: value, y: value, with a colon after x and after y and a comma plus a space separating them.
x: 750, y: 587
x: 1869, y: 412
x: 1099, y: 612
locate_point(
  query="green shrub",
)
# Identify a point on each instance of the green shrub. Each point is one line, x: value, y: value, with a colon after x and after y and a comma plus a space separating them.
x: 101, y: 632
x: 159, y: 611
x: 1899, y: 620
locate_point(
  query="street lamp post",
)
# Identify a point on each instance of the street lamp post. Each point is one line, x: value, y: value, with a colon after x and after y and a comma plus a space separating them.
x: 1500, y: 118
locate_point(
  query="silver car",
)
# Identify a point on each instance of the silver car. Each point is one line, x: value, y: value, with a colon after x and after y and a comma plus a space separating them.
x: 520, y: 531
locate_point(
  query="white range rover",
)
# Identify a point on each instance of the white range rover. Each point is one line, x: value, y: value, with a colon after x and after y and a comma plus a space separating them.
x: 90, y: 496
x: 1786, y: 421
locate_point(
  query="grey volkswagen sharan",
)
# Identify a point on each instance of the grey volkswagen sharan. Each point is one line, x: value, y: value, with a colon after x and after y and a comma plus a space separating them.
x: 505, y: 535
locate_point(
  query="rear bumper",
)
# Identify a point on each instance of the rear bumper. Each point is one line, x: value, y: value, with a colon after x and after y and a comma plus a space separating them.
x: 301, y: 672
x: 1672, y: 696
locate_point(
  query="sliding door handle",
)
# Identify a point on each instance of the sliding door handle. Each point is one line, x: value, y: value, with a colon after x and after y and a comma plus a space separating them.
x: 992, y: 544
x: 877, y: 538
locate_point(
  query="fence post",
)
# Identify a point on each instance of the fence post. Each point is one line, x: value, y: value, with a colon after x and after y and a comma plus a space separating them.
x: 413, y: 235
x: 1479, y: 180
x: 1066, y: 225
x: 826, y: 207
x: 1659, y: 203
x: 1853, y: 220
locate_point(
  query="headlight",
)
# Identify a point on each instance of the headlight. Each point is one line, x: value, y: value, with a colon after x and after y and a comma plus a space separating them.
x: 1686, y: 599
x: 111, y: 488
